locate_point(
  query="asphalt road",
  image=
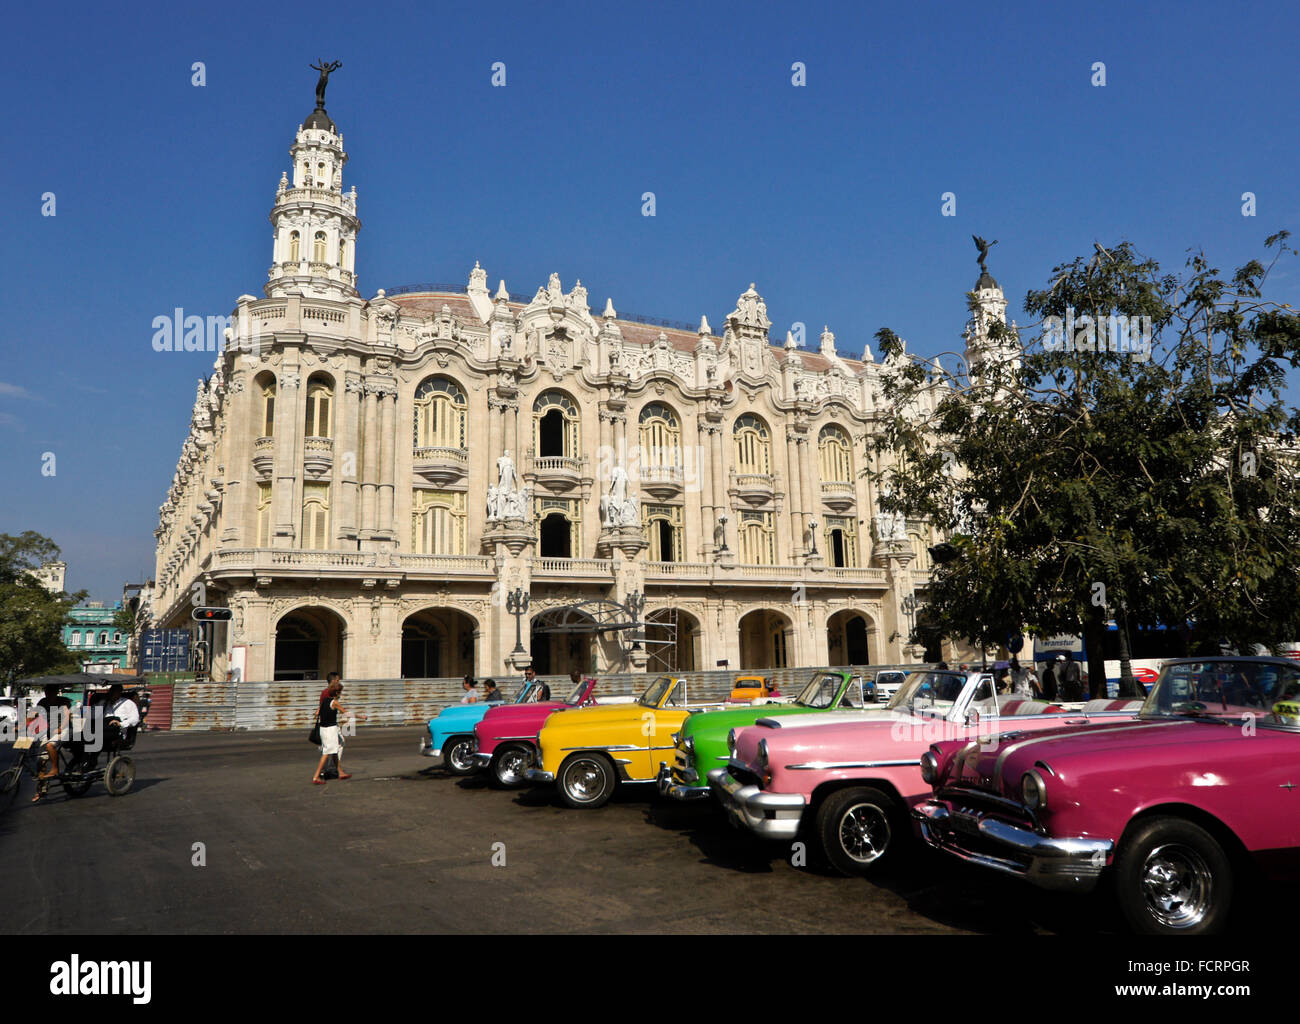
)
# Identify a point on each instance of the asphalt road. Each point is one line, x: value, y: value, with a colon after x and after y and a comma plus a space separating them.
x: 404, y: 848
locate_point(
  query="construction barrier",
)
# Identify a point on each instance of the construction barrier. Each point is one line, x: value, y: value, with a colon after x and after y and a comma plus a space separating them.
x: 292, y: 705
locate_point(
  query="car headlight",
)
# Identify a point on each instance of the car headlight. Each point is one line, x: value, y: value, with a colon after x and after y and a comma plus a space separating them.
x: 1034, y: 790
x: 731, y: 742
x: 676, y: 737
x: 929, y: 768
x: 762, y: 753
x: 689, y: 744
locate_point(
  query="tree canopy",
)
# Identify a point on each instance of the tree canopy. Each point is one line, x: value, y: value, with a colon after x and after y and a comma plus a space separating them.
x: 31, y: 618
x: 1080, y: 484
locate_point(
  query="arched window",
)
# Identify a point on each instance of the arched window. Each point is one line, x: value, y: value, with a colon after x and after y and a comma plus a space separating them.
x: 117, y: 637
x: 661, y: 437
x: 315, y: 515
x: 757, y: 544
x: 103, y: 638
x: 264, y: 515
x: 841, y: 538
x: 319, y: 392
x: 343, y: 248
x: 318, y: 248
x: 320, y: 174
x: 295, y: 247
x: 267, y: 383
x: 751, y: 441
x: 440, y: 414
x: 835, y: 454
x: 438, y: 522
x: 663, y: 527
x: 555, y: 426
x: 74, y: 639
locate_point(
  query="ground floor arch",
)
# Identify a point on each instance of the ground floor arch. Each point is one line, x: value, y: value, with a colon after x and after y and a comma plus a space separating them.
x: 850, y: 638
x: 765, y: 640
x: 438, y: 642
x: 308, y: 643
x: 560, y: 642
x: 673, y: 640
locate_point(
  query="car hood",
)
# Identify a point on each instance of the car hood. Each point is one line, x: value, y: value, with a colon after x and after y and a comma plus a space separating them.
x: 511, y: 712
x: 604, y: 713
x: 1073, y: 750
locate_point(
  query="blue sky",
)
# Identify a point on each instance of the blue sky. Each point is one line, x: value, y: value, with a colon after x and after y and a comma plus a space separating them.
x: 827, y: 196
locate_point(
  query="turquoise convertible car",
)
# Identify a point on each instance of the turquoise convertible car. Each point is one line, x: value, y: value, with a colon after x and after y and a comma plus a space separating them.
x: 450, y: 736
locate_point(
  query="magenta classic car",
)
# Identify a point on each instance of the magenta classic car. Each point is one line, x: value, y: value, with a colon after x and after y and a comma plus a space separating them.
x: 847, y: 786
x: 505, y: 739
x: 1180, y: 807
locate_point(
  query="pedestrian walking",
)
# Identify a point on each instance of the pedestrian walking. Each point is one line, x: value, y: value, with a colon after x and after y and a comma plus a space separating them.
x: 471, y: 694
x: 1050, y: 685
x: 331, y: 737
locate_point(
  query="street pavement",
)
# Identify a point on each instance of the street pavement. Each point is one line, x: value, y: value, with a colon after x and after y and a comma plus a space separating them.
x: 402, y: 847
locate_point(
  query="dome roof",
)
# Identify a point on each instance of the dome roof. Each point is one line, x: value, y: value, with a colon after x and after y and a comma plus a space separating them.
x: 986, y: 281
x: 321, y: 120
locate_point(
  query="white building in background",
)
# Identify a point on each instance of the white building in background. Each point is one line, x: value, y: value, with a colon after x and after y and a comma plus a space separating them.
x: 367, y: 483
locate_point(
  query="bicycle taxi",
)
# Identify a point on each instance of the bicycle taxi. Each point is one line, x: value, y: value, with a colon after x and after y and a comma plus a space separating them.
x: 92, y: 745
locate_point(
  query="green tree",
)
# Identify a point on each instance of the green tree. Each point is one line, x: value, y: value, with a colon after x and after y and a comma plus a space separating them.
x: 31, y: 618
x: 1086, y: 484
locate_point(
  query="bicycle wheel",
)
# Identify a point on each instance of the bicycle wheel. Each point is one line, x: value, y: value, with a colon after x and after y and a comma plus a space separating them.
x: 10, y: 783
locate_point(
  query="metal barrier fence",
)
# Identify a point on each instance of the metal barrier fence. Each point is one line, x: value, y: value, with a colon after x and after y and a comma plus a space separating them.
x: 285, y: 705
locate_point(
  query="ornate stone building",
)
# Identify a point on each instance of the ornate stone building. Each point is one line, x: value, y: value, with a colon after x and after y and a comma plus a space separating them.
x: 376, y: 485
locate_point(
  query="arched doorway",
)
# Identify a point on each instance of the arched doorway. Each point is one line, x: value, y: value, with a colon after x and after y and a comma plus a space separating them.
x: 308, y: 644
x: 560, y: 642
x: 848, y: 638
x: 765, y: 640
x: 672, y: 641
x: 556, y: 537
x: 438, y: 642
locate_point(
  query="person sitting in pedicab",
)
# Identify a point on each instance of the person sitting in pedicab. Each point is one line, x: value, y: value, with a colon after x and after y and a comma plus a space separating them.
x: 53, y: 725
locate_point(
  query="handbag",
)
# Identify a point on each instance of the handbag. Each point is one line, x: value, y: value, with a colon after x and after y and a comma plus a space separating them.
x: 313, y: 737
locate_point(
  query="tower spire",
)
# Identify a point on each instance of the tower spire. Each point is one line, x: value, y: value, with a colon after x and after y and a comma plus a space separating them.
x: 315, y: 223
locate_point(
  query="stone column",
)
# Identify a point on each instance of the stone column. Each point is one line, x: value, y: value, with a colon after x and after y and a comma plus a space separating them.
x: 719, y: 483
x: 289, y: 420
x: 387, y: 459
x: 346, y: 461
x: 810, y: 502
x: 370, y: 462
x: 240, y: 483
x: 795, y: 517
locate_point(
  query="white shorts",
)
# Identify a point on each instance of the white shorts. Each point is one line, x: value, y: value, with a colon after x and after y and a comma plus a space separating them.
x: 331, y: 740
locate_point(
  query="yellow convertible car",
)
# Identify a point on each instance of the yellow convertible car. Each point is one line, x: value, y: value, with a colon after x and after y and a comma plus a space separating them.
x: 587, y: 752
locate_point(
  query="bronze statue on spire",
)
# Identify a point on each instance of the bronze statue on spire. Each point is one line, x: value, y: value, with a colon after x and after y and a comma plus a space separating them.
x: 325, y: 68
x: 984, y: 248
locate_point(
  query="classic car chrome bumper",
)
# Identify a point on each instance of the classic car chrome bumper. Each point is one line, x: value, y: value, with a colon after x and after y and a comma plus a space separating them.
x: 427, y: 749
x: 770, y: 815
x: 1068, y: 864
x: 667, y: 787
x: 481, y: 759
x: 537, y: 775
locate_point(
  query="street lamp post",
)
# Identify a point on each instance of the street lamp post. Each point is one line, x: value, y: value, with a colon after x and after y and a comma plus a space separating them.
x: 517, y: 605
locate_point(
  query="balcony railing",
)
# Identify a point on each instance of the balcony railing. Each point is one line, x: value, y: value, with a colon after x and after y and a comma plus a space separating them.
x: 572, y: 566
x: 441, y: 465
x: 838, y: 494
x: 679, y: 570
x: 346, y: 561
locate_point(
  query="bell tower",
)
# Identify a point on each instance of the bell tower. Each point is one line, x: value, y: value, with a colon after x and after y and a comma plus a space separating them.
x: 315, y: 223
x: 989, y: 307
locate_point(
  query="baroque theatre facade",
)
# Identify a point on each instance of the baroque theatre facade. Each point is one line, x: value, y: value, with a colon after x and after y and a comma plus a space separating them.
x: 379, y: 485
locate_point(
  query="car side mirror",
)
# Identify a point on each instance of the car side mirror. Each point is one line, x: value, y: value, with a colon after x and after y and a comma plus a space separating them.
x: 972, y: 716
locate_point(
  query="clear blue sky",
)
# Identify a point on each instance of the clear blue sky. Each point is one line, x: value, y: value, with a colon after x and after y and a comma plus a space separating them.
x: 827, y: 196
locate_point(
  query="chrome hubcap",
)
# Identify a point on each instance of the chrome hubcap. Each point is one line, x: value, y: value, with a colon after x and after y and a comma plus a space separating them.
x: 512, y: 766
x: 1177, y: 885
x: 460, y: 755
x: 585, y: 780
x: 864, y: 832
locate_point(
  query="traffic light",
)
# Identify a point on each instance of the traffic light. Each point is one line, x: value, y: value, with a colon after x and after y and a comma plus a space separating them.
x: 212, y: 615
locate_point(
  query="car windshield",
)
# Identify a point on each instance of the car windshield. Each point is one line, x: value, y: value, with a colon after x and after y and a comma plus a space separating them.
x: 820, y: 690
x: 939, y: 690
x: 575, y: 696
x: 524, y: 693
x: 1227, y: 689
x: 654, y: 693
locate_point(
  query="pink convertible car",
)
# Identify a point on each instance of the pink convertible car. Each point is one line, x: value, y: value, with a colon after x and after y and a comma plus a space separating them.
x: 847, y: 783
x: 1181, y: 806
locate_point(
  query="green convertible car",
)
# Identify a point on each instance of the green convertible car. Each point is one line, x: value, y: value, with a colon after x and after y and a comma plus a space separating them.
x: 701, y: 743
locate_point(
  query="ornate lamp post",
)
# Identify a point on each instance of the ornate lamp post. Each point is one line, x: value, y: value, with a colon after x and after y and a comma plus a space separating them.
x: 722, y: 529
x: 635, y: 605
x: 517, y: 605
x: 812, y: 536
